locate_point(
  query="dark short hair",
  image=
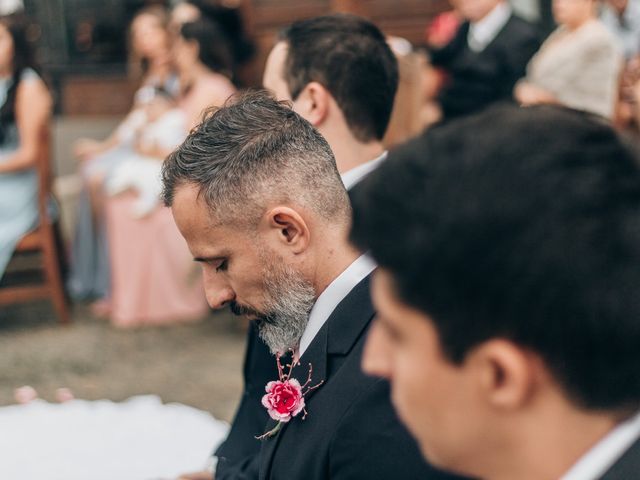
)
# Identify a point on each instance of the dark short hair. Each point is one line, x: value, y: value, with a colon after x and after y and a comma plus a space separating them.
x: 349, y: 56
x: 521, y: 224
x: 252, y: 151
x: 214, y: 50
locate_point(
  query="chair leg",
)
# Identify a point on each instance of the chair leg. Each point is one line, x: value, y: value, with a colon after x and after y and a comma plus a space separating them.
x: 52, y: 262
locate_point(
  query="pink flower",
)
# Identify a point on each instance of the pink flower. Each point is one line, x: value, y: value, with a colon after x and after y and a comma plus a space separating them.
x: 283, y: 399
x: 285, y: 396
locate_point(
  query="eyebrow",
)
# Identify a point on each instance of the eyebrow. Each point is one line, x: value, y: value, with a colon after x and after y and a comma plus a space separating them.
x: 210, y: 259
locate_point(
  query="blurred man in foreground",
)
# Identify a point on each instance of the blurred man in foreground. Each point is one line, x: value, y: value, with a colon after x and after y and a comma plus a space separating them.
x: 507, y: 294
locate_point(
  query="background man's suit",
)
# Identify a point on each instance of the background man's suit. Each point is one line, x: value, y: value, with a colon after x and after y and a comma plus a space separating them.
x: 476, y: 80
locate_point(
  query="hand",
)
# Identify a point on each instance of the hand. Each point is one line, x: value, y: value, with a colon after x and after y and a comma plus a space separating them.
x: 197, y: 476
x: 528, y: 94
x: 86, y: 148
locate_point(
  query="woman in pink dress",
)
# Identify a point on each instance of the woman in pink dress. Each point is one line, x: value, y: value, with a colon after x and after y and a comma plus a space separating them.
x: 150, y: 50
x: 154, y: 280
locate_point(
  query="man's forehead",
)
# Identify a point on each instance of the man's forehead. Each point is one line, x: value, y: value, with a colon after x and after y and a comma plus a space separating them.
x: 190, y: 208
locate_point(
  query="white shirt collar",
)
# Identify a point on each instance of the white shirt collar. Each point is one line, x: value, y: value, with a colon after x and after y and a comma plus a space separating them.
x: 352, y: 177
x: 333, y: 295
x: 482, y: 32
x: 606, y: 452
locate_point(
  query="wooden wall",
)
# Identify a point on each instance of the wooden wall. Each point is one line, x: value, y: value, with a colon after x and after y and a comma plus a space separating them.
x: 108, y: 95
x: 265, y: 18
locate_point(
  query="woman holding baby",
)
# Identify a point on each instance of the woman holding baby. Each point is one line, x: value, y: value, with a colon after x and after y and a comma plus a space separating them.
x: 138, y: 231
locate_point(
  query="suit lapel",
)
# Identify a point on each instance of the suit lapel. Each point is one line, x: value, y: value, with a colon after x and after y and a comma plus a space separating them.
x: 627, y: 467
x: 336, y: 337
x: 349, y: 319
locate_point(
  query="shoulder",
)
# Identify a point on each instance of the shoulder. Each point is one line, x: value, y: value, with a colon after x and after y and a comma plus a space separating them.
x: 216, y: 82
x: 29, y: 75
x: 595, y: 38
x: 32, y: 83
x: 371, y: 442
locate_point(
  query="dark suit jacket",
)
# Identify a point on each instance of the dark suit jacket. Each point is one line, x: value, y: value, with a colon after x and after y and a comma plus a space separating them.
x: 351, y: 431
x: 237, y: 454
x: 627, y: 467
x: 476, y: 80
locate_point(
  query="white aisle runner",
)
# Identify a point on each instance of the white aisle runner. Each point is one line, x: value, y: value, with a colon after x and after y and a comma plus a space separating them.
x: 139, y: 439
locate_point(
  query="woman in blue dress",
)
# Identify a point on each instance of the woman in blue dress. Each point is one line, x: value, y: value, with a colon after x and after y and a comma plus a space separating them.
x: 25, y: 110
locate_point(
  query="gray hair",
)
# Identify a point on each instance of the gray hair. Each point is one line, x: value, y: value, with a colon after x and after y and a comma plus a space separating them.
x: 252, y: 152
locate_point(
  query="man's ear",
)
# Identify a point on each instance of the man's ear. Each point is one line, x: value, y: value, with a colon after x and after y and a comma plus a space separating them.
x: 508, y: 374
x: 313, y: 103
x: 288, y: 228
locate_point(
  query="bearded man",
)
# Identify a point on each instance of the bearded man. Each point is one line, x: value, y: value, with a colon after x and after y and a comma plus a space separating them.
x: 257, y: 195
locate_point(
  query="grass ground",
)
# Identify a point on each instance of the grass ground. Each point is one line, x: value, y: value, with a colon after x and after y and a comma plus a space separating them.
x: 195, y: 364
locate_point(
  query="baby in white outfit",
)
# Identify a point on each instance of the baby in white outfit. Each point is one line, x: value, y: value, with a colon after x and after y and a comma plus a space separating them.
x: 165, y: 128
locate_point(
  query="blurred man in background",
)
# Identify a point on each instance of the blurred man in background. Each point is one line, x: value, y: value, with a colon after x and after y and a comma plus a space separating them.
x: 485, y: 58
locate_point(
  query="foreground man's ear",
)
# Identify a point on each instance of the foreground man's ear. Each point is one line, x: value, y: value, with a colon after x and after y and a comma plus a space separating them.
x: 508, y: 374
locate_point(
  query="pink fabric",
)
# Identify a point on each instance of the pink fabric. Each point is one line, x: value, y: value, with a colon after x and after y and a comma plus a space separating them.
x: 153, y: 278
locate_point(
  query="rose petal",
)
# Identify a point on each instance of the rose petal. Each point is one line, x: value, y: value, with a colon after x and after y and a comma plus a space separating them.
x: 270, y: 386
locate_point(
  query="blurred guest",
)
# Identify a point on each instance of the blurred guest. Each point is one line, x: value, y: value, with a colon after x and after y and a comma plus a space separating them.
x: 144, y: 290
x: 201, y: 57
x: 151, y: 48
x: 89, y: 276
x: 24, y: 115
x: 577, y: 66
x: 485, y: 58
x: 227, y: 16
x: 508, y: 294
x: 313, y: 64
x: 181, y: 13
x: 165, y: 130
x: 622, y: 19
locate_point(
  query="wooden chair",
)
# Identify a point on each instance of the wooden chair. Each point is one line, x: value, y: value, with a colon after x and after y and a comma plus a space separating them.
x: 45, y: 241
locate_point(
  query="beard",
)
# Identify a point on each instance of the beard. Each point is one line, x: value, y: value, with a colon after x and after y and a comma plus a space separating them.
x: 288, y: 299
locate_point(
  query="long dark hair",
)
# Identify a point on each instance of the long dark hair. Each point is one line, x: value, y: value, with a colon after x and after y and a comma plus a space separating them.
x: 212, y: 43
x: 23, y: 58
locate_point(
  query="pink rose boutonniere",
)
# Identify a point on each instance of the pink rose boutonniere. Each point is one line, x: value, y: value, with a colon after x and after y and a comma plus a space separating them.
x: 285, y: 397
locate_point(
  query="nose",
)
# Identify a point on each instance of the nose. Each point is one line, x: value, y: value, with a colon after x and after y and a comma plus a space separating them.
x: 217, y: 290
x: 376, y: 357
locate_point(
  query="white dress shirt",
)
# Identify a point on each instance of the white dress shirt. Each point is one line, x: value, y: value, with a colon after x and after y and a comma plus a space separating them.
x: 349, y: 278
x: 606, y: 452
x: 626, y: 29
x: 353, y: 176
x: 332, y: 296
x: 482, y: 32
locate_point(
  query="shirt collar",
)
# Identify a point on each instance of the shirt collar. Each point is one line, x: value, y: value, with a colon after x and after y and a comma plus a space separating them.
x: 351, y: 177
x: 606, y: 452
x: 482, y: 32
x: 329, y: 299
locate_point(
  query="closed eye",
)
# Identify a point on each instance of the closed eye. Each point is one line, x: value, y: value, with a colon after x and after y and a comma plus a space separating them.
x: 222, y: 267
x: 220, y: 263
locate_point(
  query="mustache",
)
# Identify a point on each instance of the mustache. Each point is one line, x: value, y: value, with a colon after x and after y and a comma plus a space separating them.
x: 242, y: 310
